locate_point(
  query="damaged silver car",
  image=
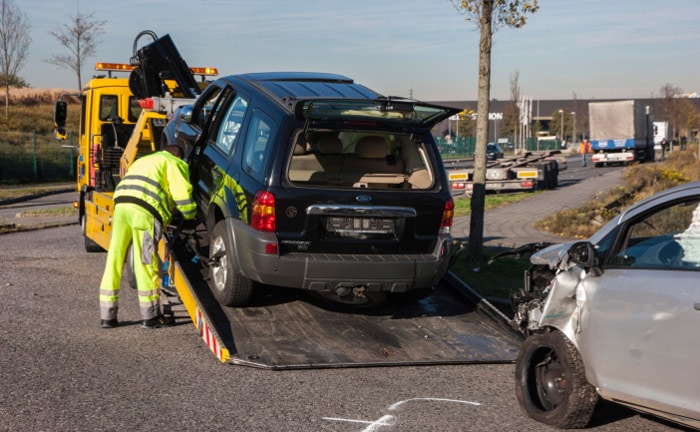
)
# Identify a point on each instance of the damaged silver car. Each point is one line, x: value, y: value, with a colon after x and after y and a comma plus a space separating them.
x: 616, y: 317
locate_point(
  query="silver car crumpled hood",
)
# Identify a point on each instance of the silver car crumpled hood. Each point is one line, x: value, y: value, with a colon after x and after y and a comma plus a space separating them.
x: 566, y: 296
x: 565, y: 302
x: 551, y: 255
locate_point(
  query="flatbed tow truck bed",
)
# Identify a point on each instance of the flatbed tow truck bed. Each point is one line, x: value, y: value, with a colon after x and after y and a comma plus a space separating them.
x: 290, y: 329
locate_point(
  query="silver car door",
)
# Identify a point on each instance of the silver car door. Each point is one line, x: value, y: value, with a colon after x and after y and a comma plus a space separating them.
x: 638, y: 333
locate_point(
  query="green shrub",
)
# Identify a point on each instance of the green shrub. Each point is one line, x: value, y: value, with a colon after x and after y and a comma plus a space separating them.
x: 640, y: 181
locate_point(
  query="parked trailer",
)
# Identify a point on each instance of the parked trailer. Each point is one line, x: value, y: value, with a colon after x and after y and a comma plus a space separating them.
x: 526, y: 172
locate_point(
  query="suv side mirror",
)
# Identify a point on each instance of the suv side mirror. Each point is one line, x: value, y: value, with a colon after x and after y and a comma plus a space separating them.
x: 584, y: 254
x: 186, y: 114
x: 60, y: 113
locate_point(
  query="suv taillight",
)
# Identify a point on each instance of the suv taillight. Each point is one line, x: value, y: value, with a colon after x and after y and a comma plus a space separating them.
x: 263, y: 218
x: 447, y: 215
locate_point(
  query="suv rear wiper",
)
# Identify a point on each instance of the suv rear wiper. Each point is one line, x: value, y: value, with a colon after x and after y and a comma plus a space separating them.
x: 308, y: 117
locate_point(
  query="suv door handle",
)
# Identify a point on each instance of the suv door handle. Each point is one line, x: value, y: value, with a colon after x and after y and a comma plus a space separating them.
x: 696, y: 306
x: 216, y: 175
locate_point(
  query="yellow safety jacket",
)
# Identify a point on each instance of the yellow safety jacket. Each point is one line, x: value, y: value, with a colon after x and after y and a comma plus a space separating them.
x: 158, y: 182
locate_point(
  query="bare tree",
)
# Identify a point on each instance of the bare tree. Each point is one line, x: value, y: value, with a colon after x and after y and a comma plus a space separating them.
x: 14, y: 42
x: 488, y: 15
x: 670, y: 107
x: 511, y: 114
x: 80, y: 37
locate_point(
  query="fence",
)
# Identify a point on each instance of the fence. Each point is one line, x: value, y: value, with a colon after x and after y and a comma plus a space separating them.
x: 463, y: 147
x: 29, y: 157
x: 457, y: 148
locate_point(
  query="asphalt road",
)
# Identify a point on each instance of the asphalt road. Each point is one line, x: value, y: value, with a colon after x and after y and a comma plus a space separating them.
x: 60, y: 372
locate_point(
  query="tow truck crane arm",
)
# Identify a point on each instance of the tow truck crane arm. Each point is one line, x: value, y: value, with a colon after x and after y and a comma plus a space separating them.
x: 158, y: 63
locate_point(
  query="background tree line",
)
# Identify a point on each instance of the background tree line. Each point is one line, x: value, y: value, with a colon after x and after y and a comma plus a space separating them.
x: 80, y: 37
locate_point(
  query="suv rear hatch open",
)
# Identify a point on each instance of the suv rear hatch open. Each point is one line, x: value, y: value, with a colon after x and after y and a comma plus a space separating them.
x: 366, y: 179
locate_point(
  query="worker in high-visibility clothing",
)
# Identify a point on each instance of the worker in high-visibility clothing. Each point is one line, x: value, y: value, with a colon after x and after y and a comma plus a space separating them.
x: 144, y: 199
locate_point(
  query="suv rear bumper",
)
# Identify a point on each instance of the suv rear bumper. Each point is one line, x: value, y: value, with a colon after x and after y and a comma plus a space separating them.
x: 327, y: 272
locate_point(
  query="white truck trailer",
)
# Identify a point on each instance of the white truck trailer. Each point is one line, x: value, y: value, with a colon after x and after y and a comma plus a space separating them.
x: 620, y: 132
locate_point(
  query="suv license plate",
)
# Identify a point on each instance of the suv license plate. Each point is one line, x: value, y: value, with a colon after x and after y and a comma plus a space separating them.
x: 357, y: 225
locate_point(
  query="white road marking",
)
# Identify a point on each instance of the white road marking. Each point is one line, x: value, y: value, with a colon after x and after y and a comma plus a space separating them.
x: 390, y: 420
x: 361, y: 421
x: 397, y: 404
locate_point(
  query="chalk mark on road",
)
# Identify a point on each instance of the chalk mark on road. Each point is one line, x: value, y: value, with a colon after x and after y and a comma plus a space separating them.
x: 390, y: 420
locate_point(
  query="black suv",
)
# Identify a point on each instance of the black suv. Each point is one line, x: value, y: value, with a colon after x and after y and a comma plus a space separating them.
x: 313, y: 181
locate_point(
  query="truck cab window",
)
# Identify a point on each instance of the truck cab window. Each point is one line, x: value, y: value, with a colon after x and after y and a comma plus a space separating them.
x: 109, y: 107
x: 134, y: 109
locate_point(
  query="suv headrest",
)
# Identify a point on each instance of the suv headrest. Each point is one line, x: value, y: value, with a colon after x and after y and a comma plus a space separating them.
x: 329, y: 145
x: 371, y: 147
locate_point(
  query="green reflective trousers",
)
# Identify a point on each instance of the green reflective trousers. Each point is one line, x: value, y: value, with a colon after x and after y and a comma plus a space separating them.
x: 132, y: 225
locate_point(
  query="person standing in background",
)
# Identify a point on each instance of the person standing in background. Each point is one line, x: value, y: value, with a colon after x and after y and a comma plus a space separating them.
x: 584, y: 149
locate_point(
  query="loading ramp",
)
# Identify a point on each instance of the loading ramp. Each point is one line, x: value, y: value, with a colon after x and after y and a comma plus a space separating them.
x: 290, y: 329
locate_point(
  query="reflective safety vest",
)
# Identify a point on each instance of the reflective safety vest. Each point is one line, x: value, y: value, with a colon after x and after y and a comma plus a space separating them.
x: 158, y: 182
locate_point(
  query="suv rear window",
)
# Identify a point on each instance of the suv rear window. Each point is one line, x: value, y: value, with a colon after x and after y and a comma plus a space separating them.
x: 360, y: 159
x: 389, y: 112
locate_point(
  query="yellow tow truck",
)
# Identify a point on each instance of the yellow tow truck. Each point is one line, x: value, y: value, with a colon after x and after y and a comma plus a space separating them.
x: 123, y: 118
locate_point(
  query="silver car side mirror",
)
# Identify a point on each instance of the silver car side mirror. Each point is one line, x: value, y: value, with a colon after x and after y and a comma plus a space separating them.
x: 584, y: 254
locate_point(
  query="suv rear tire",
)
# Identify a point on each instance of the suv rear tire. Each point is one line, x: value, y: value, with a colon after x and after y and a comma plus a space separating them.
x: 229, y: 287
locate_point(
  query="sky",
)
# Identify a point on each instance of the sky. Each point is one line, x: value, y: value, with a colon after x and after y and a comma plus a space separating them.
x: 584, y: 49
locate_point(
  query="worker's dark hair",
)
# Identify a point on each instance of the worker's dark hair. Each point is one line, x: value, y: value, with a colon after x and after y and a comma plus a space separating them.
x: 174, y: 150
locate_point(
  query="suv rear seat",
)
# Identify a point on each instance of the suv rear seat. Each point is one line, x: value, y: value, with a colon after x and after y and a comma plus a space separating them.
x: 371, y: 166
x: 323, y: 162
x: 320, y: 162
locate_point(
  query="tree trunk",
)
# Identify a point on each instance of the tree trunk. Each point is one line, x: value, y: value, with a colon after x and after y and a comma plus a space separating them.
x: 476, y: 223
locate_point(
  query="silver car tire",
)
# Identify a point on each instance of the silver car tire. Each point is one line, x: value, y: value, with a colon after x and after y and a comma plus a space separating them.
x: 551, y: 384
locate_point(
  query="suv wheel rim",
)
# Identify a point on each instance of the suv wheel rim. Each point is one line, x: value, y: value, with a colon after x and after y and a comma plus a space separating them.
x: 219, y: 271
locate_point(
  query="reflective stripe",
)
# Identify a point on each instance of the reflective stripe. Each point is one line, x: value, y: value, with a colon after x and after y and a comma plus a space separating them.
x: 184, y: 202
x: 143, y: 179
x: 148, y: 298
x: 108, y: 299
x: 158, y: 182
x: 191, y: 213
x: 145, y: 191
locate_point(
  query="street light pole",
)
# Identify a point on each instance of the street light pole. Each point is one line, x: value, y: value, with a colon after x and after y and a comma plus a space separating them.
x: 561, y: 126
x: 648, y: 152
x: 573, y: 114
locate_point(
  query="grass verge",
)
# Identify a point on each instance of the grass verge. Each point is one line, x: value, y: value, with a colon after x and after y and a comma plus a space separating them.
x: 11, y: 193
x: 495, y: 279
x: 463, y: 205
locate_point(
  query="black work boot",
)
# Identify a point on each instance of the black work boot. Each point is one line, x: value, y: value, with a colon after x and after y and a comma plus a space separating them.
x: 111, y: 323
x: 158, y: 322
